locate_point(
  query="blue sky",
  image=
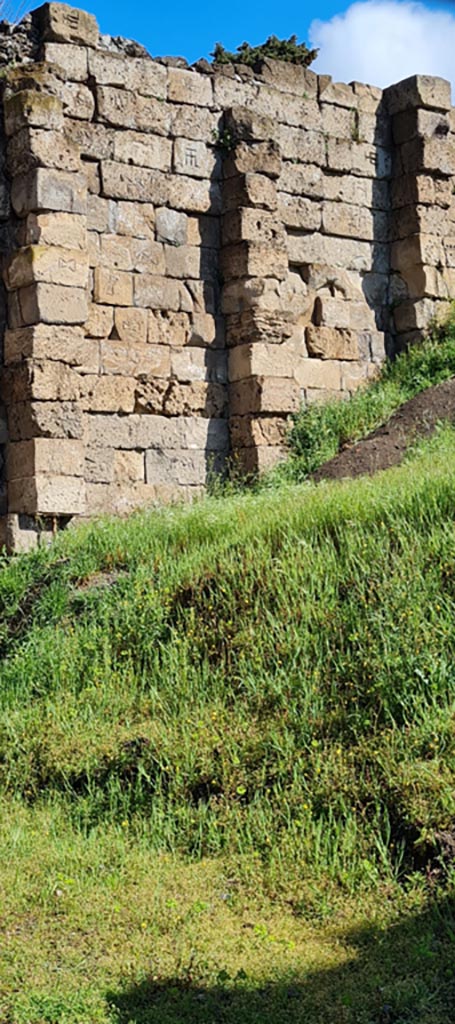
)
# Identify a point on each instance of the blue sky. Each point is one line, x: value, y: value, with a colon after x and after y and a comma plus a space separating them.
x: 375, y: 41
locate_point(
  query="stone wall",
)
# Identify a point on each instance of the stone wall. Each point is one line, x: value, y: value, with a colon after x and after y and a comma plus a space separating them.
x: 191, y: 253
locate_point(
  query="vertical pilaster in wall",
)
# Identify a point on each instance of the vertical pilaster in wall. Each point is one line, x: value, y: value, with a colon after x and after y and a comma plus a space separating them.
x: 423, y: 251
x: 254, y: 261
x: 46, y: 277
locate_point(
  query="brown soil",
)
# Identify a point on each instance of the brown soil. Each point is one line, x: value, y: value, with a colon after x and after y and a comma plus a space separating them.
x: 387, y: 445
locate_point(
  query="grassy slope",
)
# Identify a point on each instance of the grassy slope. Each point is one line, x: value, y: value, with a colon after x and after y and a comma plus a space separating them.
x: 219, y: 726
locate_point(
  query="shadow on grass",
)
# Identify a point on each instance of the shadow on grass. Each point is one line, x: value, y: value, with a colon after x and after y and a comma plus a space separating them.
x: 401, y: 975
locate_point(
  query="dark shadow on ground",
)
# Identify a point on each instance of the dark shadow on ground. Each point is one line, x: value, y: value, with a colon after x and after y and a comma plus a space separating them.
x: 401, y: 975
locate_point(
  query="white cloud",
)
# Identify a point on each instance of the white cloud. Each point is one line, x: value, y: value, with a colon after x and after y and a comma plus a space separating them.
x: 383, y: 41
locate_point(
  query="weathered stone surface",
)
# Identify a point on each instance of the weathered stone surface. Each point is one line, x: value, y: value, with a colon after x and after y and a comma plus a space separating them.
x: 252, y: 431
x: 188, y: 87
x: 143, y: 149
x: 63, y: 24
x: 62, y: 230
x: 33, y: 147
x: 168, y: 328
x: 249, y: 190
x: 257, y: 158
x: 113, y: 288
x: 193, y: 363
x: 70, y: 56
x: 65, y: 344
x: 251, y: 225
x: 134, y: 359
x: 121, y: 181
x: 131, y: 325
x: 137, y: 75
x: 45, y: 189
x: 193, y: 195
x: 47, y: 495
x: 32, y: 109
x: 134, y: 219
x: 264, y: 394
x: 319, y: 373
x: 44, y: 419
x: 43, y: 455
x: 331, y: 343
x: 171, y: 226
x: 47, y: 304
x: 131, y: 110
x: 418, y: 91
x: 51, y: 264
x: 248, y: 259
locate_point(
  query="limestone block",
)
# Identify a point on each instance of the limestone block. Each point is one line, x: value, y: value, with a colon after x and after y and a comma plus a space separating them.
x: 337, y: 312
x: 259, y: 158
x: 435, y: 154
x: 261, y: 360
x: 93, y: 249
x: 254, y: 461
x: 415, y: 122
x: 248, y: 259
x: 128, y: 359
x: 100, y: 321
x: 93, y: 141
x: 78, y: 101
x: 45, y: 381
x: 63, y: 24
x: 92, y: 176
x: 416, y: 249
x: 245, y: 124
x: 368, y: 97
x: 140, y: 74
x: 232, y: 91
x: 128, y: 466
x: 154, y: 292
x: 416, y: 313
x: 51, y: 264
x: 366, y: 192
x: 347, y: 253
x: 286, y: 109
x: 255, y: 325
x: 418, y: 91
x: 193, y: 195
x: 338, y: 93
x: 422, y: 189
x: 121, y: 181
x: 252, y: 431
x: 194, y: 123
x: 189, y: 432
x: 64, y: 344
x: 32, y: 109
x: 44, y: 419
x: 131, y: 110
x: 205, y: 296
x: 339, y: 122
x: 354, y: 375
x: 198, y: 364
x: 264, y: 394
x: 258, y: 226
x: 99, y: 464
x: 189, y: 87
x: 134, y: 219
x: 43, y: 455
x: 168, y: 328
x: 100, y: 213
x: 47, y: 495
x: 171, y: 226
x: 421, y: 281
x: 48, y: 304
x: 143, y: 149
x: 32, y: 147
x: 319, y: 373
x: 354, y: 222
x: 131, y: 325
x: 305, y: 146
x: 62, y: 230
x: 45, y: 189
x: 196, y: 159
x: 358, y: 158
x: 182, y: 261
x: 302, y: 180
x: 288, y: 77
x: 296, y: 212
x: 115, y: 252
x: 113, y: 288
x: 245, y: 190
x: 173, y: 466
x: 109, y: 394
x: 73, y: 58
x: 331, y: 343
x: 449, y: 250
x: 409, y: 220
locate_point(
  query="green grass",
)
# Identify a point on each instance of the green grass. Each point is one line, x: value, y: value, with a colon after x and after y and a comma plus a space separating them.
x: 319, y: 431
x: 227, y: 752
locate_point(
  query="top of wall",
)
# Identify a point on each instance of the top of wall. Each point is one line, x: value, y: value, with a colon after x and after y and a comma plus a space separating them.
x: 33, y: 39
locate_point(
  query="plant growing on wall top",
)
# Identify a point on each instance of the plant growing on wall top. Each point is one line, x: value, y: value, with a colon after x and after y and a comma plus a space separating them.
x: 279, y: 49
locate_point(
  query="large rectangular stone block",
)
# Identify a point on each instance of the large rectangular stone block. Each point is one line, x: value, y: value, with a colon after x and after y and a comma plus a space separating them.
x: 140, y: 184
x: 45, y: 419
x: 251, y: 259
x: 134, y: 359
x: 62, y: 230
x: 196, y: 159
x: 33, y: 147
x: 113, y: 287
x: 43, y: 455
x: 131, y: 110
x: 264, y: 394
x: 256, y: 158
x: 135, y: 74
x: 64, y: 344
x: 258, y: 226
x: 249, y: 190
x: 143, y: 149
x: 33, y: 109
x: 51, y: 264
x: 189, y: 87
x: 47, y: 495
x: 72, y: 57
x: 418, y: 91
x: 45, y: 189
x: 48, y: 304
x: 60, y: 23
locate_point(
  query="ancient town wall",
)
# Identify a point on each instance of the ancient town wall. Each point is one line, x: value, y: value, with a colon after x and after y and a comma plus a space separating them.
x: 191, y: 253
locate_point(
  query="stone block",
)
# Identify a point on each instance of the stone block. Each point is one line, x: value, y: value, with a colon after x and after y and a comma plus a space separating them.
x: 183, y: 261
x: 205, y: 231
x: 62, y: 230
x: 189, y: 432
x: 258, y: 226
x: 410, y: 220
x: 196, y: 159
x: 72, y: 57
x: 337, y: 93
x: 298, y: 213
x: 131, y: 110
x: 94, y: 141
x: 140, y: 184
x: 177, y: 467
x: 245, y: 124
x: 337, y: 312
x: 193, y: 195
x: 137, y: 75
x: 417, y: 314
x: 418, y: 91
x: 100, y: 321
x: 133, y: 219
x: 358, y: 158
x: 366, y: 192
x: 302, y: 180
x: 319, y: 373
x: 189, y: 87
x: 253, y: 190
x: 128, y: 467
x: 63, y: 344
x: 60, y: 23
x: 194, y: 122
x: 113, y: 288
x: 100, y: 213
x: 46, y: 189
x: 45, y: 381
x: 130, y: 359
x: 354, y: 222
x: 255, y: 431
x: 45, y: 419
x: 198, y: 364
x: 47, y: 304
x: 264, y: 394
x: 417, y: 122
x: 143, y: 149
x: 131, y: 325
x: 43, y: 455
x: 410, y: 189
x: 47, y: 495
x: 109, y: 394
x: 288, y: 77
x: 171, y: 226
x: 78, y: 101
x: 256, y: 158
x: 331, y: 343
x: 298, y: 144
x: 51, y: 264
x: 168, y: 328
x: 32, y: 109
x: 115, y: 252
x: 33, y: 147
x: 154, y: 292
x: 248, y: 259
x: 262, y: 360
x: 435, y: 155
x: 254, y: 461
x: 417, y: 249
